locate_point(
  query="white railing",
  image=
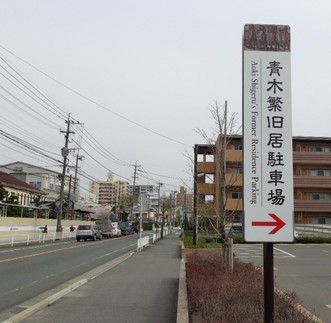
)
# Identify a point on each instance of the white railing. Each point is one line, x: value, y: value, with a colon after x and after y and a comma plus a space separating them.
x: 28, y: 238
x: 142, y: 243
x: 313, y: 229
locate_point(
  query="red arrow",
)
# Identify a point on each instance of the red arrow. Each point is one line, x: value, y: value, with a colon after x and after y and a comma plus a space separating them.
x: 278, y: 224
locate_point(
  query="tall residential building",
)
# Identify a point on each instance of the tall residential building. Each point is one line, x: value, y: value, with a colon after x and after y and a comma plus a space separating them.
x: 311, y: 178
x: 109, y: 192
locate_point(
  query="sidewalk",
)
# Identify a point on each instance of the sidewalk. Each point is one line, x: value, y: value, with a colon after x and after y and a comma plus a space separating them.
x: 142, y: 289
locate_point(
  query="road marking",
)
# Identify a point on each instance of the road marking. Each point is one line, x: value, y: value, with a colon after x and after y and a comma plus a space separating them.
x: 329, y: 306
x: 286, y: 253
x: 39, y: 254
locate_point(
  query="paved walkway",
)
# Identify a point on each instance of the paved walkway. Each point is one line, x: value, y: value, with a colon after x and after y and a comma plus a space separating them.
x: 142, y: 289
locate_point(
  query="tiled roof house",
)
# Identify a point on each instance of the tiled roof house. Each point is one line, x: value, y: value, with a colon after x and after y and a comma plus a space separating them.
x: 26, y: 193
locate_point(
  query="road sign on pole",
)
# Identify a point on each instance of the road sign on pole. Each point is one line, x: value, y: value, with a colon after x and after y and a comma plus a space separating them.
x: 267, y: 123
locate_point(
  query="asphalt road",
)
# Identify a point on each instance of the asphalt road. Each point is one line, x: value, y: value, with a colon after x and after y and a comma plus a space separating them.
x: 26, y: 272
x: 302, y: 268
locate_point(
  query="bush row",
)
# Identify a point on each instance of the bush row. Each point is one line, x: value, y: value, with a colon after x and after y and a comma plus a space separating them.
x: 218, y: 295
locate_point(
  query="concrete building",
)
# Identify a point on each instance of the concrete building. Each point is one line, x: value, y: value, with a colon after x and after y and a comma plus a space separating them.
x: 311, y: 171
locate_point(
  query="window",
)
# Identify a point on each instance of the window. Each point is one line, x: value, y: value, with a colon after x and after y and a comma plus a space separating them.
x: 236, y: 195
x: 320, y: 172
x: 36, y: 185
x: 319, y: 149
x: 236, y: 147
x: 321, y: 196
x: 321, y: 221
x: 236, y: 171
x: 18, y: 169
x: 210, y: 179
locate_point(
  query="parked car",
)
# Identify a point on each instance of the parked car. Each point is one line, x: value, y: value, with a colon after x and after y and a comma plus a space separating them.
x: 117, y: 232
x: 88, y: 231
x: 125, y: 228
x: 106, y: 227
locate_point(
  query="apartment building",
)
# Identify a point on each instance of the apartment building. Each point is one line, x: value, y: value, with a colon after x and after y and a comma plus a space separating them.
x: 109, y: 192
x: 311, y: 172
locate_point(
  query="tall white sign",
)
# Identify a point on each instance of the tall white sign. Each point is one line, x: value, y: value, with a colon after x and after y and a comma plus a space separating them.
x: 267, y: 123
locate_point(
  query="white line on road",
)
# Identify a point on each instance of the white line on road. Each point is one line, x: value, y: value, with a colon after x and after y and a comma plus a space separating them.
x: 286, y: 253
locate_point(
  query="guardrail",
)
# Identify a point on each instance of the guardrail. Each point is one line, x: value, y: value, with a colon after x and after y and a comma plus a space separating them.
x: 29, y: 238
x: 313, y: 229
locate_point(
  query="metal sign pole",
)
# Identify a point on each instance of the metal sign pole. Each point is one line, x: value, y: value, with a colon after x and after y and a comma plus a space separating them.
x: 268, y: 275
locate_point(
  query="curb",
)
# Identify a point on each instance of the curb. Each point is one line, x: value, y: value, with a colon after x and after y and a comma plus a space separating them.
x: 182, y: 305
x: 55, y: 297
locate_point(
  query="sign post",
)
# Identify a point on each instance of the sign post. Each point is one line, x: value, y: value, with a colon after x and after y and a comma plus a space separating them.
x: 267, y: 149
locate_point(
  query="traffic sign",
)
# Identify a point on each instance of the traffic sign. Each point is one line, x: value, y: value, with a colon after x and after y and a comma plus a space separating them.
x: 267, y: 135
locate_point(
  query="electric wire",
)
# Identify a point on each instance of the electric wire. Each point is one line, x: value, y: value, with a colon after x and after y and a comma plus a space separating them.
x: 20, y: 74
x: 94, y: 102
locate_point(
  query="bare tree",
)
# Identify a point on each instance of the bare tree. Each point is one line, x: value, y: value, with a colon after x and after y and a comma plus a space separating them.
x: 213, y: 215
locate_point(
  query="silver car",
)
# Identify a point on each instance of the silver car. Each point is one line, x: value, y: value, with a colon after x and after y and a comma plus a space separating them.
x: 88, y: 231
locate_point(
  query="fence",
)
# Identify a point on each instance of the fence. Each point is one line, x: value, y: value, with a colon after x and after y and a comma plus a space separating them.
x: 142, y: 243
x: 313, y: 229
x: 30, y: 238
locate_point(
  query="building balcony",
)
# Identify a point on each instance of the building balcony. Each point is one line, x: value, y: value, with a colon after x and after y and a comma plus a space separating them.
x: 206, y: 168
x: 234, y: 205
x: 320, y: 182
x: 313, y: 206
x: 311, y: 158
x: 206, y: 189
x: 234, y: 180
x: 233, y: 156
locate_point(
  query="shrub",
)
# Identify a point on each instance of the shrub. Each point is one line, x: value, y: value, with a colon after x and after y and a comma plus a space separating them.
x: 307, y: 239
x: 217, y: 295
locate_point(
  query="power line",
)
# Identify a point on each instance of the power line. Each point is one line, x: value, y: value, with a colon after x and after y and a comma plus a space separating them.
x: 94, y: 102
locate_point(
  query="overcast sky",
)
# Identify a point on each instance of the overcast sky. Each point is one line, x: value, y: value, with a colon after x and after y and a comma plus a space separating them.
x: 141, y: 76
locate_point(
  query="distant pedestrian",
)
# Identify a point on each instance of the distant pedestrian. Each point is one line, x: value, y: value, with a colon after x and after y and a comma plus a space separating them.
x: 45, y: 230
x: 72, y: 228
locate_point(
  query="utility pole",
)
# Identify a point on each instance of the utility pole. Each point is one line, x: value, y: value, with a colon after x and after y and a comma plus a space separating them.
x: 158, y: 203
x: 158, y: 213
x: 75, y: 181
x: 133, y: 188
x: 173, y: 209
x: 65, y: 153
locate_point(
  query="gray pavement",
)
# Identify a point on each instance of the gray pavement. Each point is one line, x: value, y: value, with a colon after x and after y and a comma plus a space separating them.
x: 141, y: 289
